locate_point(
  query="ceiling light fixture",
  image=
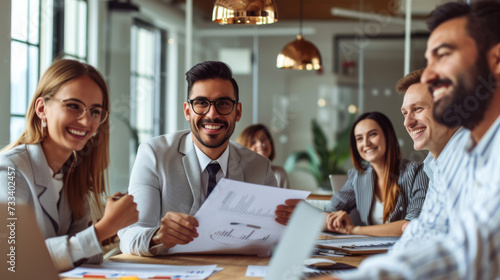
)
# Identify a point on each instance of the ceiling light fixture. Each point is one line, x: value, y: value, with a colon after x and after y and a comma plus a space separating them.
x: 299, y: 54
x: 245, y: 12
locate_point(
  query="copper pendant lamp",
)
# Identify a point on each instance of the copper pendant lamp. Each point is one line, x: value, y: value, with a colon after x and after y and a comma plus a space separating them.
x: 245, y: 12
x: 299, y: 54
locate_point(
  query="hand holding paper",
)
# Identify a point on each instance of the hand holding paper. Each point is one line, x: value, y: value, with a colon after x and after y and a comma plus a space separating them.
x: 284, y: 211
x: 176, y: 228
x: 239, y: 217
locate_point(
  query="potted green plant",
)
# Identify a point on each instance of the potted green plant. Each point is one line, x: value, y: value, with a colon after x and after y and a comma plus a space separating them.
x: 322, y: 161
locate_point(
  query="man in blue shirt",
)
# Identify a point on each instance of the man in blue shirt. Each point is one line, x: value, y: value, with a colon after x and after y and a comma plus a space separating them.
x: 427, y: 134
x: 462, y: 73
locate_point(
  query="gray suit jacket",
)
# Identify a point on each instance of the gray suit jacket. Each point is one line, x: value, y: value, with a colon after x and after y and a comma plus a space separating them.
x: 358, y: 193
x: 167, y: 177
x: 33, y: 183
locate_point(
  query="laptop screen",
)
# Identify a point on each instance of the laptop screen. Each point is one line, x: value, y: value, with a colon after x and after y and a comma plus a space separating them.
x: 22, y: 245
x: 296, y: 244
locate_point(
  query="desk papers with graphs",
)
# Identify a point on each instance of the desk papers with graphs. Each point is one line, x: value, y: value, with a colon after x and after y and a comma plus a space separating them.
x: 238, y: 218
x: 142, y: 271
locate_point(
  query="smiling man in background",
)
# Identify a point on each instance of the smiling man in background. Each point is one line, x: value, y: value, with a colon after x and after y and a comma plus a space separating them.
x: 427, y: 134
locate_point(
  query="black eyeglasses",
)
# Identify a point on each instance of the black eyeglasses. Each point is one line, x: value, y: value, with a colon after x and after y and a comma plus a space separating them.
x: 223, y: 106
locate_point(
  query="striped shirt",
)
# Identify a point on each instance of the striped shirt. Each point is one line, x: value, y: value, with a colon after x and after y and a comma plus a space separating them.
x: 433, y: 220
x: 471, y: 248
x: 358, y: 192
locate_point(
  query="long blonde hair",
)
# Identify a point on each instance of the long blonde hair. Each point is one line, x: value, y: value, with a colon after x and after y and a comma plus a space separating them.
x: 85, y: 171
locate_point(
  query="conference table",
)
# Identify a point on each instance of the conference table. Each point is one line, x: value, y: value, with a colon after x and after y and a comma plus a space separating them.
x: 234, y: 266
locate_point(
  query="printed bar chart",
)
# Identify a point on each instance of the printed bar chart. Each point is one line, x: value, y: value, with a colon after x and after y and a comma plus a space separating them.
x: 239, y: 233
x: 243, y: 207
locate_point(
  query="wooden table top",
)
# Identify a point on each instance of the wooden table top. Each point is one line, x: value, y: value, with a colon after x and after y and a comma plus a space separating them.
x: 235, y: 266
x: 320, y: 196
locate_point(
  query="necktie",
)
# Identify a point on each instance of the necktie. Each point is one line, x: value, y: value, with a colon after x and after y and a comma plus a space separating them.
x: 212, y: 169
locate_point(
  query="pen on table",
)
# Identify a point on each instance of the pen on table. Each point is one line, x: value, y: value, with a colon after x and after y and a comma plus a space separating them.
x: 329, y: 251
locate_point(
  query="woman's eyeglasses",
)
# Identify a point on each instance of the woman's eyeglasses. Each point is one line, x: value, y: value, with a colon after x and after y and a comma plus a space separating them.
x: 77, y: 108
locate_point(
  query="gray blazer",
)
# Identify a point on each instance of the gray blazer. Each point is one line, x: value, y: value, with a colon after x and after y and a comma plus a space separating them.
x: 166, y: 177
x: 358, y: 193
x: 33, y: 182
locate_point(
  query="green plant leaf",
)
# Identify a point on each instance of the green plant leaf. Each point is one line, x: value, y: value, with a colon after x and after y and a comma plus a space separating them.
x: 309, y: 157
x: 341, y: 147
x: 294, y: 158
x: 315, y: 160
x: 321, y: 162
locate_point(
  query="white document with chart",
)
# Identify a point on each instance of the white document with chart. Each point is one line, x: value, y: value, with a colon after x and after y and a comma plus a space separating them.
x: 238, y: 218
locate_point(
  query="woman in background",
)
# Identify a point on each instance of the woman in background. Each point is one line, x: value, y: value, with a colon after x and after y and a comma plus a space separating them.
x: 386, y: 190
x: 258, y: 139
x: 60, y: 161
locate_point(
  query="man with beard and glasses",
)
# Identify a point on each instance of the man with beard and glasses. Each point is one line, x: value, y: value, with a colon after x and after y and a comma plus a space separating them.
x: 462, y: 73
x: 174, y: 173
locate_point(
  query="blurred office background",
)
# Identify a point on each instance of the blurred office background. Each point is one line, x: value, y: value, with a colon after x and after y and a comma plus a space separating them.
x: 144, y: 47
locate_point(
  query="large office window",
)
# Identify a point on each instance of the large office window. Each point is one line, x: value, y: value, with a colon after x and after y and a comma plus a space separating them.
x: 25, y: 58
x: 147, y: 81
x: 70, y: 29
x: 69, y: 40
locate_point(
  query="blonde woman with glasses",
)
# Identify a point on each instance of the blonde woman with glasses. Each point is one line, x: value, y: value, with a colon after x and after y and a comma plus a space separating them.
x: 60, y: 161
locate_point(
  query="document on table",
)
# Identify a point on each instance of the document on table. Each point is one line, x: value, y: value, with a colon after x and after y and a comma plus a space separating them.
x: 261, y: 271
x: 238, y: 218
x: 359, y: 245
x: 335, y: 235
x: 142, y: 271
x: 256, y: 271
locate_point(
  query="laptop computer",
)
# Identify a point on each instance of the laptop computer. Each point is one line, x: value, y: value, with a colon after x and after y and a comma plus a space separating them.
x: 337, y: 182
x: 296, y: 243
x: 22, y: 245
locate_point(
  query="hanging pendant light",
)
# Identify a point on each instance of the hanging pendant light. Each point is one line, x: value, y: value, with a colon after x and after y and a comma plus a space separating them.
x: 245, y: 12
x: 299, y: 54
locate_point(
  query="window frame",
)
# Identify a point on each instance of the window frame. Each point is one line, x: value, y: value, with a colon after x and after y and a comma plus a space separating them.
x: 59, y: 37
x: 158, y: 79
x: 29, y: 45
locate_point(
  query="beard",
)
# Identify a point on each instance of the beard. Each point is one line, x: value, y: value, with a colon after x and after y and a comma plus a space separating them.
x: 466, y: 104
x: 212, y: 141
